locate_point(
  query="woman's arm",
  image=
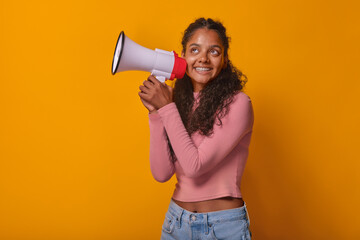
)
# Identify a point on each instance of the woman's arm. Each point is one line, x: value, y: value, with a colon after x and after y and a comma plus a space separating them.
x: 162, y: 168
x: 196, y: 161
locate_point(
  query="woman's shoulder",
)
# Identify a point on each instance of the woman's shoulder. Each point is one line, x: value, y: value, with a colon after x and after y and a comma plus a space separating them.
x: 240, y: 96
x: 241, y: 103
x: 240, y: 109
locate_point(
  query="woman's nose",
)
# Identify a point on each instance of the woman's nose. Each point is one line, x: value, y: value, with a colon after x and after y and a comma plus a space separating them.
x: 204, y: 58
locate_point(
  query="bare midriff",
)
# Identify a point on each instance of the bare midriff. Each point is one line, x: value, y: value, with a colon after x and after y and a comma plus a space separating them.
x: 212, y: 205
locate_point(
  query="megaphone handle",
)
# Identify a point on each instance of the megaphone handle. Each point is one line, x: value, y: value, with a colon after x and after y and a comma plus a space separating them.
x: 160, y: 78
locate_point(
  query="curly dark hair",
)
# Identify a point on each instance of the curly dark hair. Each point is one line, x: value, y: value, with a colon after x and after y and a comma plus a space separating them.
x: 216, y: 96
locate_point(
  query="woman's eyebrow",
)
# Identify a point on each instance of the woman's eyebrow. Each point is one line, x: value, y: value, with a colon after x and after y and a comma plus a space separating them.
x: 197, y: 45
x: 194, y: 44
x: 216, y: 46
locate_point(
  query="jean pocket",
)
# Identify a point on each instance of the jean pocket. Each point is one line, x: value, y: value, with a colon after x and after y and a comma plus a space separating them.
x: 169, y: 224
x: 230, y: 230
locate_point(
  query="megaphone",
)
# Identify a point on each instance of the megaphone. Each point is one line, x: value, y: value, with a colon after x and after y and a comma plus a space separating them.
x: 163, y: 64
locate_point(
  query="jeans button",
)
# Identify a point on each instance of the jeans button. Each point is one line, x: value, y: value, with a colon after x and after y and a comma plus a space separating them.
x: 193, y: 217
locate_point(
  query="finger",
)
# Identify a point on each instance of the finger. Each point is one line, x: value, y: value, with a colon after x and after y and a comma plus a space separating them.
x: 143, y: 96
x: 148, y: 84
x: 144, y: 89
x: 151, y: 78
x: 154, y: 80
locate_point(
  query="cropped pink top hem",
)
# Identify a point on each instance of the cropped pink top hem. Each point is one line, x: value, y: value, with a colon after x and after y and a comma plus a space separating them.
x: 205, y: 167
x: 208, y: 197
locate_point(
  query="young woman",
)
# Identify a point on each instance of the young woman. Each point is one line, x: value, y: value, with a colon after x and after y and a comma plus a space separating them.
x: 201, y: 131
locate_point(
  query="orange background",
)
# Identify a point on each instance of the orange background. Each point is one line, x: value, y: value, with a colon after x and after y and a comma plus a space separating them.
x: 74, y: 139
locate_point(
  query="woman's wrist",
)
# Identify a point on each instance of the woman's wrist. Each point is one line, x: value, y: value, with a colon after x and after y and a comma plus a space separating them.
x: 153, y: 111
x: 165, y: 104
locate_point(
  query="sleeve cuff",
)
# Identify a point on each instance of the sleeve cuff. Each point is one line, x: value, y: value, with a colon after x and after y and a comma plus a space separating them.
x: 167, y: 109
x: 154, y: 116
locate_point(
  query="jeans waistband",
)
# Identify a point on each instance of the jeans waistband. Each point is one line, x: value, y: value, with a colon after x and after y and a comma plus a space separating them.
x: 211, y: 217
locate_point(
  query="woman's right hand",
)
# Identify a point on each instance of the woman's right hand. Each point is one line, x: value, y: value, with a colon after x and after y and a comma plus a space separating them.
x: 155, y: 94
x: 148, y: 105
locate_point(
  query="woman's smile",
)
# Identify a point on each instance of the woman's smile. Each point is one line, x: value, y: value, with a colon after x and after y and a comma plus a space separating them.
x: 203, y: 70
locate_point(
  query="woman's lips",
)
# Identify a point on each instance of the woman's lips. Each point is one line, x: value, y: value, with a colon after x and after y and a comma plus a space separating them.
x: 202, y: 70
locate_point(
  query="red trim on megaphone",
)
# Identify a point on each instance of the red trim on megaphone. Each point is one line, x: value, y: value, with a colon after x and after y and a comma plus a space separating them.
x: 179, y: 68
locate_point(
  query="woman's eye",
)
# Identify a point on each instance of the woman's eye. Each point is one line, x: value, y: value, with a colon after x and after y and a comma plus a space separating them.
x: 214, y: 52
x: 194, y: 50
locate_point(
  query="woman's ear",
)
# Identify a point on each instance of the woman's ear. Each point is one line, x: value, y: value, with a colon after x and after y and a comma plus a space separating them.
x: 182, y: 54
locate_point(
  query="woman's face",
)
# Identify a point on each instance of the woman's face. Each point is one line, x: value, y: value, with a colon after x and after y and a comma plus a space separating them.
x: 204, y: 56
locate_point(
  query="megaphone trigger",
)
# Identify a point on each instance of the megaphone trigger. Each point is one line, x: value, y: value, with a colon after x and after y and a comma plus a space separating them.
x: 161, y: 78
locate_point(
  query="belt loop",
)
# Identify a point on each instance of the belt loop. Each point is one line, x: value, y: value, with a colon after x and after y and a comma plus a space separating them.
x: 206, y: 224
x: 178, y: 219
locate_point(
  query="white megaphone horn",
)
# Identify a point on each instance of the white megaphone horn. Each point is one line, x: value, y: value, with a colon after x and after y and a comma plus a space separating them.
x: 131, y: 56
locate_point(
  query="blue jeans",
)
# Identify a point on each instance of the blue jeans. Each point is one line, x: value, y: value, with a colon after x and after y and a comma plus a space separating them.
x: 231, y: 224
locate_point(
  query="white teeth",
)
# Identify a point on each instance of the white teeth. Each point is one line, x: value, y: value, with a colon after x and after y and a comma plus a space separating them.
x: 202, y: 69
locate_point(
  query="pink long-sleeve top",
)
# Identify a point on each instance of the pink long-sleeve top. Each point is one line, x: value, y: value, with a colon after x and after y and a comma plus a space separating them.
x: 206, y: 167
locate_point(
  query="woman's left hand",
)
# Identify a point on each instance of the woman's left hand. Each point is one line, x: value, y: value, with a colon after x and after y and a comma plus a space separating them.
x: 156, y: 93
